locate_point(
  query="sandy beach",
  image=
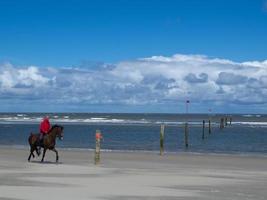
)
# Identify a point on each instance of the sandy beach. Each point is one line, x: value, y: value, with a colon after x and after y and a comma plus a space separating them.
x: 131, y: 176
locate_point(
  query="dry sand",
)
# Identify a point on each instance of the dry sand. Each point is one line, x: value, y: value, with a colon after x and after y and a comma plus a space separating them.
x: 133, y: 176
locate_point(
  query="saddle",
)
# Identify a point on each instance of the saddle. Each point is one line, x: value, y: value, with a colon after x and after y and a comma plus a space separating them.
x: 40, y: 141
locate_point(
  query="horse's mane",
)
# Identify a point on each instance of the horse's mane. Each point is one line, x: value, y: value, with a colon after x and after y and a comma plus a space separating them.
x: 56, y: 126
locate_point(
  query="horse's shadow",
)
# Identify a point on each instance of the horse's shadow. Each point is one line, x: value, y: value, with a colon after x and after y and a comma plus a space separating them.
x: 46, y: 162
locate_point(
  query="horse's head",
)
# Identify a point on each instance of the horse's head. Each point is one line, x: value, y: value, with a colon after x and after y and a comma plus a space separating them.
x: 59, y: 131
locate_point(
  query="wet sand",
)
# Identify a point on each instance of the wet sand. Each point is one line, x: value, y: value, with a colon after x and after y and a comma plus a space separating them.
x: 133, y: 176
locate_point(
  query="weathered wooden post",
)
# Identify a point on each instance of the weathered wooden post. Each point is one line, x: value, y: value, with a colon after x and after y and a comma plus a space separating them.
x: 186, y: 134
x: 209, y: 127
x: 230, y: 120
x: 225, y: 121
x: 203, y: 130
x: 98, y: 137
x: 222, y: 123
x: 210, y: 120
x: 162, y: 127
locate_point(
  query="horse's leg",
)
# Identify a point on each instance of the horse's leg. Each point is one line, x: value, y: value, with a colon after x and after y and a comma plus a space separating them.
x: 31, y: 153
x: 56, y: 154
x: 37, y: 151
x: 43, y: 155
x: 29, y: 158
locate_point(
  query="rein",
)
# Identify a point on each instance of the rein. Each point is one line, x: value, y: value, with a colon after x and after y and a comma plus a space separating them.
x: 53, y: 133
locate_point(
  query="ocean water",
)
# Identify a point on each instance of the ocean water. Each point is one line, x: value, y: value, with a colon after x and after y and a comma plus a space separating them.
x: 140, y: 132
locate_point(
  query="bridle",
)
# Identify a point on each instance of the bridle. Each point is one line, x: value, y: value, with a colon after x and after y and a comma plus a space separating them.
x: 59, y: 132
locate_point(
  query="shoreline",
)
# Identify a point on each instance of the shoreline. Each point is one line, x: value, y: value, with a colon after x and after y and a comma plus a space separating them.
x: 185, y: 152
x: 196, y: 123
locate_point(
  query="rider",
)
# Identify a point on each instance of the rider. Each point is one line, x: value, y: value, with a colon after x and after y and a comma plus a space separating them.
x: 44, y: 127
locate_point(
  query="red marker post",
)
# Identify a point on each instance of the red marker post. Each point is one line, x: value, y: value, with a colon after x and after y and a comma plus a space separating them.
x: 98, y: 137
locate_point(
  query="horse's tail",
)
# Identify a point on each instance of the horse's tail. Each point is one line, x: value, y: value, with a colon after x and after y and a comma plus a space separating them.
x: 30, y: 138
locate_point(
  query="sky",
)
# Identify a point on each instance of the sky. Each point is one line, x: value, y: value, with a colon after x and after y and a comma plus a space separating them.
x: 133, y: 56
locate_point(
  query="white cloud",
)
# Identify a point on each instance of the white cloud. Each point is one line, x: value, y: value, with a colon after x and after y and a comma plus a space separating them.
x: 153, y: 80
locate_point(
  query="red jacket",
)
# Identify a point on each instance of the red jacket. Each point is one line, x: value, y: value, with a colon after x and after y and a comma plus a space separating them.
x: 45, y: 126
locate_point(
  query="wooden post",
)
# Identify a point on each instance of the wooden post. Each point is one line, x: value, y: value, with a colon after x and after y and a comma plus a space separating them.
x: 230, y: 120
x: 209, y: 127
x: 97, y: 146
x: 203, y: 130
x: 222, y: 123
x: 225, y: 121
x: 162, y: 127
x: 186, y: 135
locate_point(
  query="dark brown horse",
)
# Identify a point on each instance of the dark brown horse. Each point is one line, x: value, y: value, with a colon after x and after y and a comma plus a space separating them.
x: 49, y: 141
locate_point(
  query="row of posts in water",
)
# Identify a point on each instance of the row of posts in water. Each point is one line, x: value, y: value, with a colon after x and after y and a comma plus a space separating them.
x: 223, y: 124
x: 225, y: 121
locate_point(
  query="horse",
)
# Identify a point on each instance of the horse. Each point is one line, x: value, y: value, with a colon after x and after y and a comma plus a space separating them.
x: 49, y: 141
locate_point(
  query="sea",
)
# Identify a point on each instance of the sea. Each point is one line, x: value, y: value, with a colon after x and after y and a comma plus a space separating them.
x: 247, y: 133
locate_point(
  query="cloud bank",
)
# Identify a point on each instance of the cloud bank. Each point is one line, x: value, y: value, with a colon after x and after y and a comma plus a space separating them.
x: 157, y: 80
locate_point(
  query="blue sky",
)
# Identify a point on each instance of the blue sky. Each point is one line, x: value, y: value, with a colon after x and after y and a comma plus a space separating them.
x: 41, y: 40
x: 64, y: 33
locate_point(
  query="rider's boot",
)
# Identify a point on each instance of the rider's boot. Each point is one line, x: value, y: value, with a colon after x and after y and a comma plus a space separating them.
x: 41, y: 141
